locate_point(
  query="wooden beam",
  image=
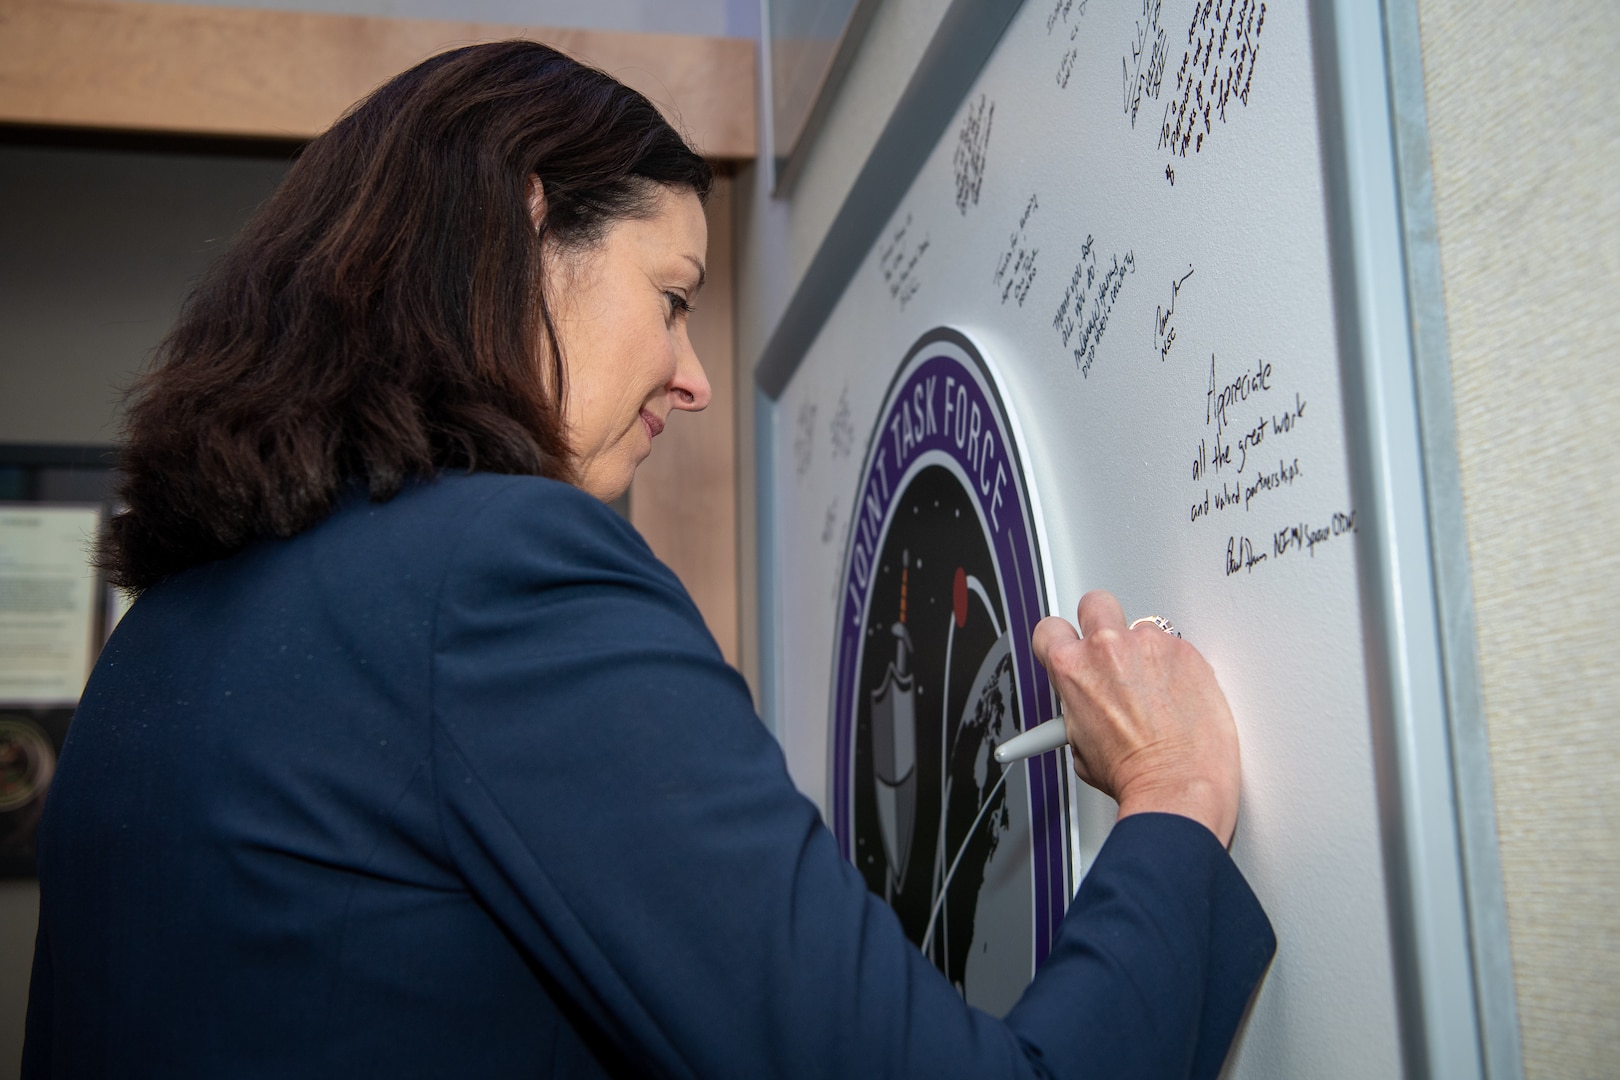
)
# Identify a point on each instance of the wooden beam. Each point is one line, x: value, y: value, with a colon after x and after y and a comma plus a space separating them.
x: 174, y: 68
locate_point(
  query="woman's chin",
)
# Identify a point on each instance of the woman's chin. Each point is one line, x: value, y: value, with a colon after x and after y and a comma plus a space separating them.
x: 608, y: 493
x: 608, y: 484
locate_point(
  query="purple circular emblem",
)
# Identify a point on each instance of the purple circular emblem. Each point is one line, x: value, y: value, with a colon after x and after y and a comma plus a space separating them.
x: 943, y: 583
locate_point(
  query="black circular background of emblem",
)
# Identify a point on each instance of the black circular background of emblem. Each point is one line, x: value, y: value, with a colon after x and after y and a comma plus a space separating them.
x: 943, y: 584
x: 933, y: 536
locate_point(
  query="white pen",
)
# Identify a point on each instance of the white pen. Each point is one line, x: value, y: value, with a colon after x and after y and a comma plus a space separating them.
x: 1037, y: 740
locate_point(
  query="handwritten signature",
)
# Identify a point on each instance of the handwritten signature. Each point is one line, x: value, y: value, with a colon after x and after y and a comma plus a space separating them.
x: 1164, y: 335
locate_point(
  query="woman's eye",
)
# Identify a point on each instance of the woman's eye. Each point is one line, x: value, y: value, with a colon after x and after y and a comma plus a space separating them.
x: 678, y: 304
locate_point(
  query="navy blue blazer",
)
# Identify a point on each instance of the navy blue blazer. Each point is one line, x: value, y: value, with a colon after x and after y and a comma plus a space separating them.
x: 459, y: 785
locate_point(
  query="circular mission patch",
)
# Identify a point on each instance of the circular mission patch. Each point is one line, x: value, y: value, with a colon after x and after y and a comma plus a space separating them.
x: 943, y: 583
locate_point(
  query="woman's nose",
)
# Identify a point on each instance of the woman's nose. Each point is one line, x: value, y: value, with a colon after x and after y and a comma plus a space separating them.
x: 690, y: 386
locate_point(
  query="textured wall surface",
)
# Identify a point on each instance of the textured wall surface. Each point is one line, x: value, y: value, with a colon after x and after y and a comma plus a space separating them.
x: 97, y: 250
x: 1525, y: 136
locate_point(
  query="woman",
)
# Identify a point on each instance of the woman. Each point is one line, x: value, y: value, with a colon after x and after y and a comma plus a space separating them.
x: 412, y: 760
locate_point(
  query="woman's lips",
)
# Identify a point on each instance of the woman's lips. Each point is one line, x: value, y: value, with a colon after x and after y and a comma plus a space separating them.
x: 654, y: 425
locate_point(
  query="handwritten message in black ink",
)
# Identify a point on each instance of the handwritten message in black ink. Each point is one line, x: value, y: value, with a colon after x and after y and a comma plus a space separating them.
x: 1306, y: 537
x: 1061, y: 12
x: 1065, y: 69
x: 1244, y: 554
x: 898, y: 259
x: 1217, y: 69
x: 1246, y: 458
x: 1242, y: 415
x: 829, y: 529
x: 841, y: 429
x: 1083, y: 314
x: 804, y: 438
x: 1015, y: 267
x: 1144, y: 61
x: 1164, y: 327
x: 972, y: 140
x: 1060, y: 21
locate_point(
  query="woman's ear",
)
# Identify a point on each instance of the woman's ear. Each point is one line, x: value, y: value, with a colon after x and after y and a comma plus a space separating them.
x: 537, y: 202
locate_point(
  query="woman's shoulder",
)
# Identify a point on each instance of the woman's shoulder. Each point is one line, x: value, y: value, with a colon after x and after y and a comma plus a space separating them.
x: 521, y: 544
x: 472, y: 492
x: 517, y: 523
x: 533, y: 505
x: 440, y: 530
x: 458, y: 506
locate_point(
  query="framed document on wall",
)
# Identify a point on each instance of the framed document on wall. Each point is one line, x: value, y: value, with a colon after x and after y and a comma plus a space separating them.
x: 55, y: 611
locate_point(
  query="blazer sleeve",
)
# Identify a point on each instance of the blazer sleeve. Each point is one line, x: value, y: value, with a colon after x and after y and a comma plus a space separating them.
x: 607, y: 791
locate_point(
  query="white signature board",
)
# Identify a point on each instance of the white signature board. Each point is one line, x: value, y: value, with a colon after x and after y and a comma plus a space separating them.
x: 1127, y: 217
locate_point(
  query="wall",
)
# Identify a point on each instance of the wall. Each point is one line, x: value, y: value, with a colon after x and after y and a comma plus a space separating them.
x: 129, y: 231
x: 1525, y: 140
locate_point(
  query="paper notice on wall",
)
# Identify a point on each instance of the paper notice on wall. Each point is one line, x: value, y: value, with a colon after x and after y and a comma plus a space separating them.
x: 48, y: 602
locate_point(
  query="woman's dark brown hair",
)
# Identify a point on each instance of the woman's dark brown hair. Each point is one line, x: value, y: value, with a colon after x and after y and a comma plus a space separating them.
x: 379, y: 318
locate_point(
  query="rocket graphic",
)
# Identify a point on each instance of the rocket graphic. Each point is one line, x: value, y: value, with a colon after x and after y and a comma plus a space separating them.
x: 894, y: 746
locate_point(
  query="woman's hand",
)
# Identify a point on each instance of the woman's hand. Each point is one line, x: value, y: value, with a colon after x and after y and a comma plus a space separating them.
x: 1146, y: 720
